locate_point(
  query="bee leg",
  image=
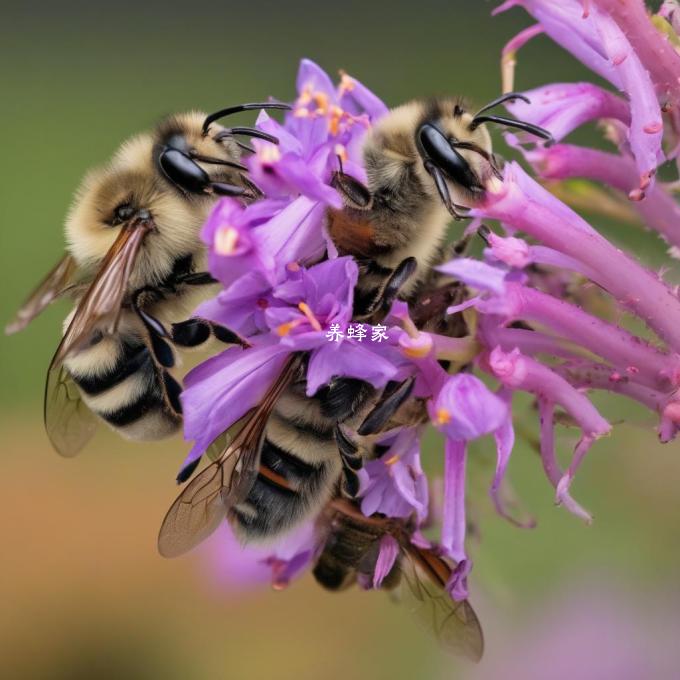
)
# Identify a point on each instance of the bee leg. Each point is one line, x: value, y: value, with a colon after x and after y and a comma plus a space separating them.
x: 222, y: 189
x: 197, y: 279
x: 356, y: 194
x: 256, y: 191
x: 351, y: 463
x: 385, y: 297
x: 195, y: 332
x: 443, y: 190
x: 158, y: 335
x: 394, y: 395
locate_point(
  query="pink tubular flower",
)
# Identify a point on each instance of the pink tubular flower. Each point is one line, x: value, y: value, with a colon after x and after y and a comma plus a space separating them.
x: 387, y: 556
x: 278, y: 564
x: 520, y: 202
x: 598, y: 41
x: 395, y: 484
x: 523, y: 373
x: 563, y: 107
x: 509, y: 54
x: 463, y: 410
x: 563, y: 161
x: 655, y: 53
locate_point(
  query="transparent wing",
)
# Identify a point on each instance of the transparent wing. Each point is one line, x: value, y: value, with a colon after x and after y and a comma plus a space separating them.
x: 100, y: 307
x: 55, y: 284
x: 204, y: 502
x: 69, y: 423
x: 221, y: 443
x: 454, y: 624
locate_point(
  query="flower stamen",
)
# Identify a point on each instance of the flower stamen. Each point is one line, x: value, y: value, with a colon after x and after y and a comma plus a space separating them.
x: 313, y: 321
x: 226, y: 240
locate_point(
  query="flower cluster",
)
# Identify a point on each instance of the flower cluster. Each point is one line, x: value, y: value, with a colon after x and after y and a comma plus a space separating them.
x: 531, y: 328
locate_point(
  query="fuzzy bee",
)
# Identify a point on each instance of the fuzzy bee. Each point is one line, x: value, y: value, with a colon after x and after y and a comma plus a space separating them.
x: 426, y: 162
x: 352, y: 546
x: 135, y: 265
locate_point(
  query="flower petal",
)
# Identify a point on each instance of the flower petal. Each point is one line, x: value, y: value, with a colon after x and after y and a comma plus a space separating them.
x: 476, y: 274
x: 350, y: 360
x: 453, y: 517
x: 387, y: 556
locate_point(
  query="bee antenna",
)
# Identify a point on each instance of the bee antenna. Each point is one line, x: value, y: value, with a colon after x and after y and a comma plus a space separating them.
x: 484, y: 232
x: 223, y: 134
x: 519, y: 124
x: 249, y: 132
x: 241, y: 107
x: 254, y: 132
x: 509, y: 96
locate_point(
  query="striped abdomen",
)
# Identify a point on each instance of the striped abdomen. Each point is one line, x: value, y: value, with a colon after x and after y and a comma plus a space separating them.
x: 300, y: 463
x: 122, y: 383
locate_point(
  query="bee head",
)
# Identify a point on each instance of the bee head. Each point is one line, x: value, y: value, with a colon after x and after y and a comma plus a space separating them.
x: 454, y: 152
x: 456, y: 148
x: 195, y: 162
x: 130, y: 189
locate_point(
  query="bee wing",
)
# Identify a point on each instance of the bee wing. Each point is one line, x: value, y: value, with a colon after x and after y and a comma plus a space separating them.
x: 205, y: 501
x: 221, y: 443
x: 100, y: 306
x: 53, y: 286
x: 68, y: 421
x: 454, y: 624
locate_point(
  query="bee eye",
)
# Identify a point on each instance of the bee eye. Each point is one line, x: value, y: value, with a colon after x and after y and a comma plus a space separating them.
x: 122, y: 213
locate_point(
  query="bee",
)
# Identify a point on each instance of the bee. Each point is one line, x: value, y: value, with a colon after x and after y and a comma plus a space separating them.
x: 135, y: 265
x: 427, y: 162
x: 350, y: 551
x: 424, y: 162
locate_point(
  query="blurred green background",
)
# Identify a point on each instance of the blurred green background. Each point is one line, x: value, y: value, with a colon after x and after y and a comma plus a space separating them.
x: 83, y: 591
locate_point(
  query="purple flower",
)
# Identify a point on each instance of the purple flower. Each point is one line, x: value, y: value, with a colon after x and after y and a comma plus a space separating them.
x: 388, y: 552
x: 530, y: 326
x: 464, y: 410
x: 233, y: 247
x: 288, y: 168
x: 520, y: 372
x: 319, y: 299
x: 395, y: 484
x: 457, y: 586
x: 563, y: 107
x: 224, y: 388
x: 253, y: 249
x: 526, y: 206
x: 596, y: 39
x: 563, y: 161
x: 279, y: 563
x: 342, y: 111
